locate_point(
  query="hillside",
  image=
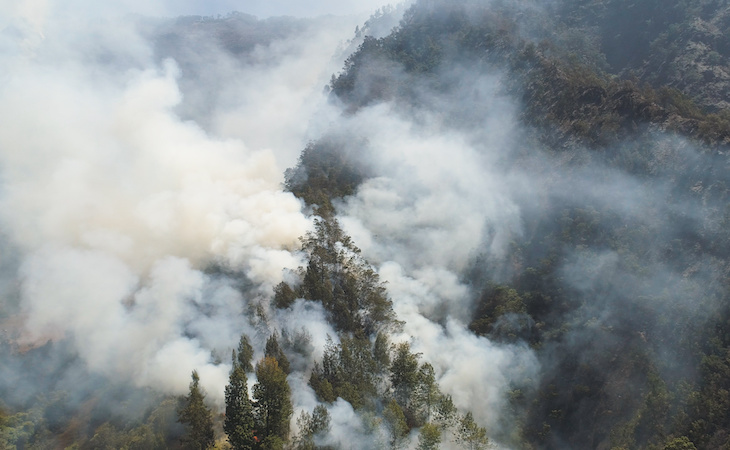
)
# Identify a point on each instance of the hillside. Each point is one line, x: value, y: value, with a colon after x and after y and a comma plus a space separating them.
x: 507, y: 227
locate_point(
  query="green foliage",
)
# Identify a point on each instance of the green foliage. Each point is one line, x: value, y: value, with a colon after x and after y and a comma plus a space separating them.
x: 348, y: 287
x: 310, y: 426
x: 571, y: 104
x: 108, y: 437
x: 429, y: 437
x: 428, y: 404
x: 348, y: 370
x: 495, y: 302
x: 426, y: 394
x: 381, y: 352
x: 470, y: 435
x: 327, y: 170
x: 321, y: 385
x: 395, y: 423
x: 404, y: 374
x: 239, y: 421
x: 196, y: 417
x: 245, y: 354
x: 680, y: 443
x: 298, y: 344
x: 273, y: 350
x: 271, y: 442
x: 616, y: 349
x: 558, y: 76
x: 17, y: 430
x: 284, y: 295
x: 272, y: 407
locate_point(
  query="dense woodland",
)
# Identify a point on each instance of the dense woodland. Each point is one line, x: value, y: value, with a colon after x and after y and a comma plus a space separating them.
x: 621, y: 291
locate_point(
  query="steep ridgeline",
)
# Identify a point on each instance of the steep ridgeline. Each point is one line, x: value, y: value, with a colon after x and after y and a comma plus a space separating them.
x: 619, y: 279
x: 611, y: 149
x: 382, y: 381
x: 564, y: 92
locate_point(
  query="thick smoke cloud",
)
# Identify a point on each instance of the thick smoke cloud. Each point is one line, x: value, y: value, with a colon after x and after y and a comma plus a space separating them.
x: 144, y: 221
x: 125, y: 175
x: 443, y: 197
x: 115, y: 208
x: 461, y: 182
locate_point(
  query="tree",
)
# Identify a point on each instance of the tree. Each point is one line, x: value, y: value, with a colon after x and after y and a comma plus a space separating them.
x: 470, y: 435
x: 273, y: 407
x: 245, y: 354
x: 311, y: 425
x: 320, y: 422
x: 680, y: 443
x: 381, y: 352
x: 395, y: 422
x: 426, y: 394
x: 239, y: 422
x: 284, y: 295
x: 196, y: 417
x: 343, y: 281
x: 404, y: 373
x: 444, y: 413
x: 429, y: 438
x: 273, y: 350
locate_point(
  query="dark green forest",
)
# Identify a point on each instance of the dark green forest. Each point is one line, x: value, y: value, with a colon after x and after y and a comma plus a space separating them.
x: 617, y: 284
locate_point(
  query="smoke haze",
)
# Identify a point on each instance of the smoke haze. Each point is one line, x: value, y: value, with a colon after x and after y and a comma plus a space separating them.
x: 143, y: 222
x: 126, y: 174
x: 116, y: 206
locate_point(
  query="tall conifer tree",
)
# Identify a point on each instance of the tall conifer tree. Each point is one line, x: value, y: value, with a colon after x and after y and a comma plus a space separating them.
x: 239, y: 422
x: 273, y: 408
x: 196, y: 417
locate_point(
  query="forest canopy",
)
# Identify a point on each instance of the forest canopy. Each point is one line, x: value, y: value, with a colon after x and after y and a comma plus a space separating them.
x: 501, y: 224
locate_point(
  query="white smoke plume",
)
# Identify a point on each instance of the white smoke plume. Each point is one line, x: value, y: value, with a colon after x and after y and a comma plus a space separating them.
x: 441, y: 198
x: 117, y: 206
x: 120, y: 186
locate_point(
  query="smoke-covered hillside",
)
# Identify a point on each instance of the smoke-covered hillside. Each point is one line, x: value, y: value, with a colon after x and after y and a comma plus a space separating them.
x: 453, y: 224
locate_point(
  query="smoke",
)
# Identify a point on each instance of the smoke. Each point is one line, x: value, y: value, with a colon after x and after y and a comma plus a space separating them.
x: 144, y: 224
x: 441, y: 198
x: 463, y: 186
x: 140, y: 235
x: 125, y: 175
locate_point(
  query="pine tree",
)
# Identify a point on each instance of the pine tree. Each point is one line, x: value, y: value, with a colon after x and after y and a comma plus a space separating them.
x: 381, y: 352
x: 196, y: 417
x: 284, y: 295
x: 273, y: 408
x: 273, y: 350
x: 470, y: 435
x: 429, y: 438
x: 404, y: 374
x: 239, y: 422
x: 395, y: 422
x: 310, y: 426
x: 245, y: 354
x: 426, y: 393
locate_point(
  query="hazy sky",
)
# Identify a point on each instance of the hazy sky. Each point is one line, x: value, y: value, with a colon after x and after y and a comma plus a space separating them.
x: 35, y: 13
x: 260, y: 8
x: 265, y: 8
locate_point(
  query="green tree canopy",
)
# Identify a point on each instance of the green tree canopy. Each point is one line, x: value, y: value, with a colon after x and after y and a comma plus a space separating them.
x: 239, y: 421
x: 273, y: 350
x: 429, y: 437
x: 404, y: 373
x: 273, y: 407
x: 395, y: 422
x: 470, y: 435
x: 245, y: 354
x: 196, y: 417
x: 311, y: 425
